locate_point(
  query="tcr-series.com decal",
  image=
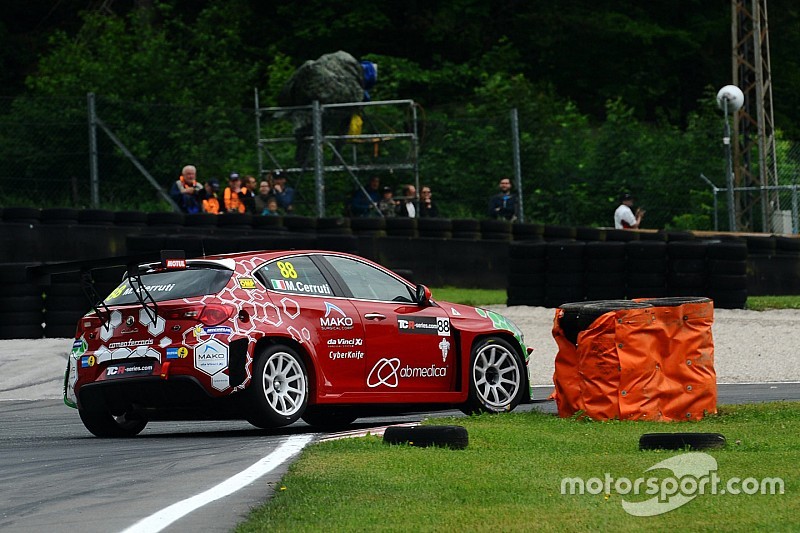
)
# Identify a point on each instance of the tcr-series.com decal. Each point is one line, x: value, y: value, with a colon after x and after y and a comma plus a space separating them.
x: 388, y: 372
x: 424, y: 324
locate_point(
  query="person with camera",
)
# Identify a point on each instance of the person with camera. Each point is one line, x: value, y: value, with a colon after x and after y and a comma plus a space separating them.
x: 624, y: 217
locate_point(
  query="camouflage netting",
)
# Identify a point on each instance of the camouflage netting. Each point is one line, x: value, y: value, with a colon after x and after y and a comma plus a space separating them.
x: 332, y: 79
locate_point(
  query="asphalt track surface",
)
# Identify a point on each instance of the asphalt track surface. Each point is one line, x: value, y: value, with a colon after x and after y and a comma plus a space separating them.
x: 58, y: 477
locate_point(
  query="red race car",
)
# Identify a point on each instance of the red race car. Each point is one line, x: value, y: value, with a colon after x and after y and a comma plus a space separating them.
x: 272, y: 337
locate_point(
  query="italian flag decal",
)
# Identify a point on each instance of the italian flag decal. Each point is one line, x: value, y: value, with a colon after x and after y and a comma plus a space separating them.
x: 278, y: 284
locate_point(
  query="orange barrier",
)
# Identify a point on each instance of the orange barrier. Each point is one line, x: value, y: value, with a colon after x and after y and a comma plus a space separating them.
x: 654, y: 363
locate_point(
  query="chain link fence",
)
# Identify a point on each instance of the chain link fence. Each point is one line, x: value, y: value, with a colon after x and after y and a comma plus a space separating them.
x: 572, y: 174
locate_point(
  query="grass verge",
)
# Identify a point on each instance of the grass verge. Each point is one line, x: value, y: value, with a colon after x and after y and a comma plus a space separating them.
x: 761, y: 303
x: 509, y: 478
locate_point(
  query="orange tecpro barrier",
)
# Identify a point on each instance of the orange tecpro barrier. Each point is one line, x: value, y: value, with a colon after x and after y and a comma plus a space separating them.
x: 655, y: 363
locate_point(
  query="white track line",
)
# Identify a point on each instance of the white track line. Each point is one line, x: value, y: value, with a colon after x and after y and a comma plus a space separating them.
x: 158, y: 521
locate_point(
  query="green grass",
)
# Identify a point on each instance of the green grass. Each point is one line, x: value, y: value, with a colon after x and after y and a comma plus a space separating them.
x: 509, y: 478
x: 760, y: 303
x: 474, y: 297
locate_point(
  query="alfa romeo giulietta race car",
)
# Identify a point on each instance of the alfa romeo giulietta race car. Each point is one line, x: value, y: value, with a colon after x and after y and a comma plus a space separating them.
x: 272, y: 337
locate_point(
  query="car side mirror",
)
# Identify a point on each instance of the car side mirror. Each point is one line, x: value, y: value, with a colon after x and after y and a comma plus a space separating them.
x: 422, y: 297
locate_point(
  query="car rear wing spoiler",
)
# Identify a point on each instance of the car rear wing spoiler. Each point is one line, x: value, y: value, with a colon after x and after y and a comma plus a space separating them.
x: 135, y: 265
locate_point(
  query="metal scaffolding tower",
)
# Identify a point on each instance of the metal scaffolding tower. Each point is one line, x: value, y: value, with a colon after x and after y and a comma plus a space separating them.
x: 754, y: 131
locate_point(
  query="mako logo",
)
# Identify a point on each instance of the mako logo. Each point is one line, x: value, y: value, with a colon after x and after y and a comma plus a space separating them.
x: 335, y: 318
x: 211, y: 356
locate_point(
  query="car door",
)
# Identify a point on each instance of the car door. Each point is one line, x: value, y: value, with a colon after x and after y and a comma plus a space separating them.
x: 309, y: 310
x: 409, y: 348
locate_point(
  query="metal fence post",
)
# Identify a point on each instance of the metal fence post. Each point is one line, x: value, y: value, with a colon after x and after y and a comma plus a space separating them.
x: 94, y: 175
x: 517, y: 164
x: 320, y: 182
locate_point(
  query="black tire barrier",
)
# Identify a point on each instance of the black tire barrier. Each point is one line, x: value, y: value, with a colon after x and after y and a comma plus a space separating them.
x: 688, y: 266
x: 27, y: 331
x: 96, y: 217
x: 201, y: 220
x: 165, y: 219
x: 140, y: 244
x: 368, y: 226
x: 527, y: 249
x: 235, y: 221
x: 60, y: 331
x: 646, y: 292
x: 63, y: 317
x: 326, y: 224
x: 652, y: 236
x: 786, y: 244
x: 621, y: 235
x: 728, y: 299
x: 268, y: 222
x: 675, y: 302
x: 605, y: 278
x: 636, y: 250
x: 495, y: 236
x: 557, y: 233
x: 14, y: 273
x: 686, y: 279
x: 21, y: 318
x: 618, y: 264
x: 471, y: 225
x: 656, y: 266
x: 761, y: 244
x: 401, y: 227
x: 605, y: 292
x: 453, y: 437
x: 300, y: 224
x: 647, y: 279
x: 495, y: 226
x: 534, y: 266
x: 604, y: 250
x: 130, y: 218
x: 578, y: 316
x: 337, y: 243
x: 66, y: 302
x: 687, y: 250
x: 27, y: 215
x: 59, y: 215
x: 727, y: 282
x: 526, y: 279
x: 583, y: 233
x: 464, y: 235
x: 728, y: 250
x: 725, y: 266
x: 681, y: 441
x: 435, y: 227
x: 21, y: 303
x: 565, y: 256
x: 676, y: 236
x: 527, y: 231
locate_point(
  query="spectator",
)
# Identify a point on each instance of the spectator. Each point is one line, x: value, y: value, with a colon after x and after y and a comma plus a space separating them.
x: 186, y: 192
x: 232, y: 197
x: 624, y: 217
x: 504, y: 205
x: 283, y: 193
x: 365, y: 200
x: 263, y: 196
x: 407, y: 207
x: 211, y: 197
x: 272, y: 207
x: 426, y: 206
x: 387, y: 205
x: 249, y: 188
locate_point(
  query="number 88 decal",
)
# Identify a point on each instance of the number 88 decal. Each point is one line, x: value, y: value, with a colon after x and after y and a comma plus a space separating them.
x: 287, y: 269
x: 443, y: 326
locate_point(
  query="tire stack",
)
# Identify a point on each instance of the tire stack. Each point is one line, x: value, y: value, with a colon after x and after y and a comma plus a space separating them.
x: 588, y: 234
x: 527, y: 232
x: 646, y: 264
x: 369, y: 226
x: 271, y: 224
x: 687, y: 268
x: 401, y: 227
x: 435, y: 228
x: 495, y: 230
x: 334, y: 233
x: 64, y: 304
x: 605, y: 272
x: 564, y: 279
x: 727, y: 274
x: 558, y: 233
x: 466, y: 228
x: 622, y: 235
x: 526, y: 273
x: 21, y: 306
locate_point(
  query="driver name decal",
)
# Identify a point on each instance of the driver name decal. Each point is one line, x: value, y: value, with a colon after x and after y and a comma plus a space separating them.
x: 299, y: 286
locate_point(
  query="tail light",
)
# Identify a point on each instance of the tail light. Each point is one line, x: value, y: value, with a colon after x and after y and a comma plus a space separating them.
x: 214, y: 314
x: 209, y: 314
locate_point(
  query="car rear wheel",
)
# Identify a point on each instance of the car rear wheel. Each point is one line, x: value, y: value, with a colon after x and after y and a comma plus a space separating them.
x: 278, y: 393
x: 496, y: 378
x: 105, y: 425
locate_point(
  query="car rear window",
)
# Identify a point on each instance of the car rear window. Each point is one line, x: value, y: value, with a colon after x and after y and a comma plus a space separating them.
x: 173, y: 285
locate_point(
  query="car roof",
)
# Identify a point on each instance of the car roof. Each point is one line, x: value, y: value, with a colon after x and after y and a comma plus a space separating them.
x: 269, y: 255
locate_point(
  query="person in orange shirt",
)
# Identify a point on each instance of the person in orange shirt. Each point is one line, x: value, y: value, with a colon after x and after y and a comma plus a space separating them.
x: 211, y: 202
x: 232, y: 196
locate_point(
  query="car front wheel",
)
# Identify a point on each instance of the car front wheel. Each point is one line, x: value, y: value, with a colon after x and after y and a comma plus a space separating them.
x: 278, y: 393
x: 497, y: 377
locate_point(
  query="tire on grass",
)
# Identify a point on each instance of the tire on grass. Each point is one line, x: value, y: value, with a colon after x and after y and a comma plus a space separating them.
x: 453, y: 437
x: 680, y: 441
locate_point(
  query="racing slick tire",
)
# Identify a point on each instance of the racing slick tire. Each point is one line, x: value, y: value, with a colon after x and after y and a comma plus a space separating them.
x: 105, y: 425
x: 680, y: 441
x: 278, y: 393
x: 328, y: 418
x: 496, y: 378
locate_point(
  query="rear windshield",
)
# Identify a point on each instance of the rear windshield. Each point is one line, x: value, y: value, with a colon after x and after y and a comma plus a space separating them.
x: 173, y: 285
